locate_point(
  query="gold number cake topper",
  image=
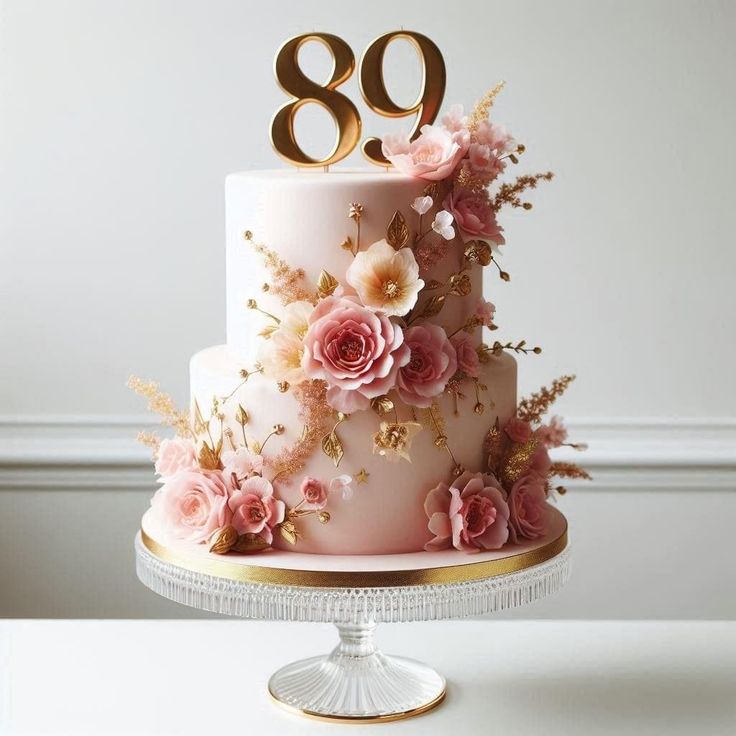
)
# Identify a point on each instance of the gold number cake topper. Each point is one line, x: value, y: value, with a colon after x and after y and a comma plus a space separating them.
x: 303, y: 90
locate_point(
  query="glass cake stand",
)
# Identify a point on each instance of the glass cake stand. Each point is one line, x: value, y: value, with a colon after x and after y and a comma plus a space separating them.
x: 356, y: 682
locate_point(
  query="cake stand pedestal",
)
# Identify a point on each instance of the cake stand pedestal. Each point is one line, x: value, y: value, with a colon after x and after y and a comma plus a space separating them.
x: 356, y: 682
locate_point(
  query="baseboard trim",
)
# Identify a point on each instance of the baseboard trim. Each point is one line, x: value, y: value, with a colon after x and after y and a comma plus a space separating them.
x: 100, y: 452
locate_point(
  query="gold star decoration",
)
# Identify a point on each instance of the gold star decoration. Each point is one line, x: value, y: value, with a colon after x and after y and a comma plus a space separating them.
x: 362, y: 476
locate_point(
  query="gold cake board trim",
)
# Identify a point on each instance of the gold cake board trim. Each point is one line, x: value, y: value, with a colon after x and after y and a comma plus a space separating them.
x: 263, y: 575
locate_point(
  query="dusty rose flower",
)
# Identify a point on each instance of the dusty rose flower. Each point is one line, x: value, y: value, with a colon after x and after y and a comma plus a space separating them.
x: 540, y: 461
x: 454, y: 120
x: 240, y: 464
x: 191, y: 505
x: 518, y: 430
x: 467, y: 355
x: 432, y: 156
x: 485, y: 311
x: 442, y: 225
x: 174, y: 455
x: 474, y: 215
x: 357, y: 351
x: 495, y: 136
x: 484, y: 161
x: 314, y: 492
x: 528, y: 506
x: 431, y: 365
x: 553, y: 434
x: 471, y: 514
x: 255, y: 510
x: 386, y: 280
x: 422, y: 205
x: 281, y: 354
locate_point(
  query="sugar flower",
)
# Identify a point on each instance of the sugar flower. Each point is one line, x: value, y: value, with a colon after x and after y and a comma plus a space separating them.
x: 432, y: 156
x: 342, y: 484
x: 484, y: 311
x: 191, y: 505
x: 474, y: 216
x: 468, y: 360
x: 442, y: 225
x: 483, y: 160
x: 255, y: 510
x: 422, y: 205
x: 432, y: 363
x: 553, y: 434
x: 518, y: 430
x: 528, y: 506
x: 240, y: 464
x: 357, y: 351
x: 281, y: 354
x: 314, y: 492
x: 470, y: 515
x: 174, y: 455
x: 495, y: 136
x: 454, y: 120
x: 386, y: 279
x: 393, y: 439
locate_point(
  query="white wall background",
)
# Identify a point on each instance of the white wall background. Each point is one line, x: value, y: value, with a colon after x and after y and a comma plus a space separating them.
x: 118, y: 124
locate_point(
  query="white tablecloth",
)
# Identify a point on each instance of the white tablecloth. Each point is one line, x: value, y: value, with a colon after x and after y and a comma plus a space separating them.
x: 507, y: 677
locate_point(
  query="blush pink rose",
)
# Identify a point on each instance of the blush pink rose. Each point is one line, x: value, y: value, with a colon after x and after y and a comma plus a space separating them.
x: 432, y: 156
x: 518, y: 430
x: 191, y: 505
x: 528, y: 506
x: 175, y: 455
x: 474, y: 216
x: 431, y: 364
x: 484, y: 161
x: 553, y: 434
x: 485, y: 311
x: 358, y: 352
x: 467, y: 355
x: 470, y: 515
x: 255, y: 510
x: 240, y: 464
x: 314, y: 492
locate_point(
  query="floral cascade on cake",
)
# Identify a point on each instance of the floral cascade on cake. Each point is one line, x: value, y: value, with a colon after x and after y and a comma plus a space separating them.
x: 376, y: 338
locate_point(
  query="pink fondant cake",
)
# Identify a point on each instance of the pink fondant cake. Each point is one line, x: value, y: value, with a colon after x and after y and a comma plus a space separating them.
x: 360, y: 405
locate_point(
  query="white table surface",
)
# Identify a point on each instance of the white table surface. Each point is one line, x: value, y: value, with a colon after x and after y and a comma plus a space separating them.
x: 507, y: 677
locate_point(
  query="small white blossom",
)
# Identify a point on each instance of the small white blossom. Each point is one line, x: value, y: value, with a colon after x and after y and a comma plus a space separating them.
x: 342, y: 484
x: 422, y: 204
x: 442, y: 225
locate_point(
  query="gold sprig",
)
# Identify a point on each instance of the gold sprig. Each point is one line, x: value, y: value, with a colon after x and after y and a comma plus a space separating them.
x: 149, y: 439
x: 532, y: 408
x: 287, y: 283
x: 569, y: 470
x: 519, y: 348
x: 483, y: 107
x: 355, y: 213
x: 509, y: 192
x: 163, y: 405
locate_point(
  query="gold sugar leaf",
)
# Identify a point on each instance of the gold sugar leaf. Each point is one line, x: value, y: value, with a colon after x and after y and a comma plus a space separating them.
x: 517, y: 460
x: 478, y: 251
x: 288, y: 531
x: 382, y: 405
x: 241, y: 415
x: 332, y: 447
x: 326, y: 284
x: 460, y: 284
x: 209, y: 458
x: 433, y: 284
x: 223, y: 540
x: 268, y: 330
x: 249, y: 544
x: 347, y: 244
x: 397, y: 233
x: 433, y: 306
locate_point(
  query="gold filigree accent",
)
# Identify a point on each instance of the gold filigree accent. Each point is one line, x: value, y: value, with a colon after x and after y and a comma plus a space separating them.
x: 397, y: 233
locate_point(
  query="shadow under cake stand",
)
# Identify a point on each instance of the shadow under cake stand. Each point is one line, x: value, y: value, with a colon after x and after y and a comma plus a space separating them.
x: 356, y: 682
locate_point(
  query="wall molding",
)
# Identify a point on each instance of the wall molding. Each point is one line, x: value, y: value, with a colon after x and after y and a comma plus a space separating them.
x: 100, y: 452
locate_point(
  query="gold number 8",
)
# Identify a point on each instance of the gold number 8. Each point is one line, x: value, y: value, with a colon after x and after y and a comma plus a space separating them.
x: 374, y: 92
x: 293, y: 81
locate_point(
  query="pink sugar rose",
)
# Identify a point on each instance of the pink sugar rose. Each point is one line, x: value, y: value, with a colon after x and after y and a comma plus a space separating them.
x: 357, y: 351
x: 483, y: 160
x: 467, y: 355
x: 470, y: 515
x: 175, y: 455
x: 191, y: 505
x: 240, y: 464
x: 431, y: 364
x: 474, y: 216
x: 314, y: 492
x: 432, y: 156
x: 255, y: 510
x: 553, y: 434
x: 454, y: 120
x: 518, y: 430
x: 495, y: 136
x: 485, y: 311
x: 528, y: 506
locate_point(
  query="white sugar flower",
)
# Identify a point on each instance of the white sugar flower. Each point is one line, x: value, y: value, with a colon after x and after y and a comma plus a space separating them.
x: 422, y: 205
x: 342, y: 484
x: 442, y: 225
x: 281, y: 354
x: 386, y: 280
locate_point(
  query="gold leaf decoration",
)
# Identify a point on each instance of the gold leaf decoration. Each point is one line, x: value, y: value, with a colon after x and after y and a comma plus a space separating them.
x: 347, y: 244
x: 223, y: 540
x: 569, y: 470
x: 209, y: 458
x: 241, y: 415
x: 433, y: 307
x: 433, y: 284
x: 397, y: 233
x: 460, y: 284
x: 478, y: 251
x: 332, y: 447
x: 288, y: 532
x: 517, y: 461
x: 249, y: 544
x: 326, y: 284
x: 268, y: 330
x: 382, y: 405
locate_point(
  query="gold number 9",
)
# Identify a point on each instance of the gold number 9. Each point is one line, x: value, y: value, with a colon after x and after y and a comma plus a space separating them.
x: 304, y: 90
x: 374, y: 92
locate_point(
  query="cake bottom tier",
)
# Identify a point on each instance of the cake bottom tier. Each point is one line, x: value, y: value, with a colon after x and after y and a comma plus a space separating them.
x: 385, y: 513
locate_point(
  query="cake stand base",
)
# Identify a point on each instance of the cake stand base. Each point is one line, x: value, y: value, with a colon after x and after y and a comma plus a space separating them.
x: 357, y: 683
